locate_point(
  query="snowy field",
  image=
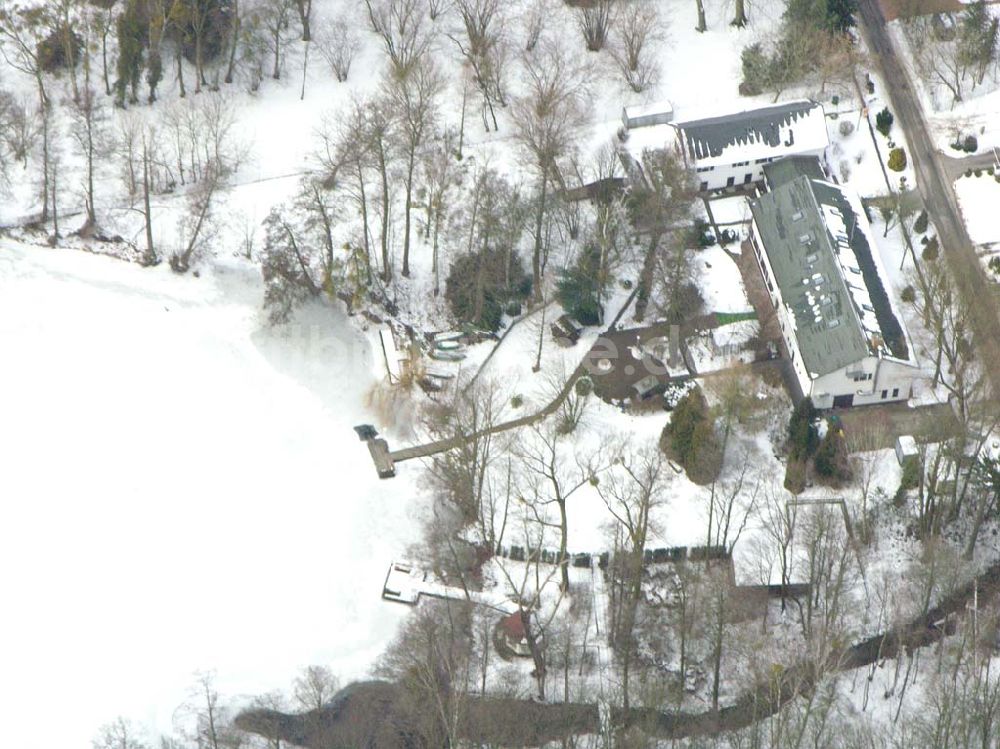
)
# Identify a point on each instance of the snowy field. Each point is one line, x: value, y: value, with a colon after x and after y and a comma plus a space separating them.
x: 181, y: 491
x: 979, y: 198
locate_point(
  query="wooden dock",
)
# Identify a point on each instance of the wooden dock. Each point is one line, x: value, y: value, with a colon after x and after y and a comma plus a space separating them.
x: 384, y: 463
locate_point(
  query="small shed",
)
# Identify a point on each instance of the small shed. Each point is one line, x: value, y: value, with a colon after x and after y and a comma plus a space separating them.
x: 906, y: 449
x: 566, y: 331
x: 513, y: 635
x: 648, y: 387
x: 644, y: 115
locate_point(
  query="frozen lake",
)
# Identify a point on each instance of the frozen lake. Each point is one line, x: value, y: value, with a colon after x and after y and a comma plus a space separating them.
x: 179, y: 490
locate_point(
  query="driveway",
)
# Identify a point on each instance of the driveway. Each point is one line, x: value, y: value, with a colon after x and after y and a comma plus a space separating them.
x: 935, y: 184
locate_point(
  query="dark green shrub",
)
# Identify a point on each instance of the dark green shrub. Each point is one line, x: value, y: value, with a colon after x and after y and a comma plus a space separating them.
x: 584, y: 387
x: 802, y: 437
x: 897, y: 160
x: 830, y: 461
x: 920, y: 225
x: 911, y: 474
x: 52, y: 50
x: 795, y: 476
x: 930, y: 251
x: 479, y: 288
x: 580, y: 288
x: 970, y: 144
x: 690, y: 438
x: 883, y: 121
x: 909, y: 295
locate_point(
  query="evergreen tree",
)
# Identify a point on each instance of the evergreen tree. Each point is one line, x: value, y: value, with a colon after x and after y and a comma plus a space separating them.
x: 802, y: 437
x: 131, y: 40
x: 580, y: 287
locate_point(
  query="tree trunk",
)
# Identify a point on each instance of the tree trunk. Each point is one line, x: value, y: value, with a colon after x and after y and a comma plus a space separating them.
x: 276, y: 71
x: 563, y: 532
x: 234, y: 41
x: 180, y: 70
x: 104, y: 54
x: 43, y: 103
x: 199, y: 72
x: 406, y: 235
x: 739, y: 15
x: 150, y: 258
x: 702, y: 24
x: 536, y: 255
x: 434, y: 256
x: 383, y: 170
x: 364, y: 222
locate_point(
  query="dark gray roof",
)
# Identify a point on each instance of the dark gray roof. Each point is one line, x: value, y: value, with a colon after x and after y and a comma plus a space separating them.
x: 794, y: 234
x: 785, y: 170
x: 711, y: 136
x: 825, y: 269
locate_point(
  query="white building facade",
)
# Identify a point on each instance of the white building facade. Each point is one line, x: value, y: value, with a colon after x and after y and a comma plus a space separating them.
x: 733, y: 149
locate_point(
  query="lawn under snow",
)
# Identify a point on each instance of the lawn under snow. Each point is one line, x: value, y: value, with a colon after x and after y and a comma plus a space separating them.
x: 181, y: 490
x: 979, y: 198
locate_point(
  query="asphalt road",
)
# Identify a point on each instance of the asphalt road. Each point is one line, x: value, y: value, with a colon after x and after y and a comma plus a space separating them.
x: 934, y: 174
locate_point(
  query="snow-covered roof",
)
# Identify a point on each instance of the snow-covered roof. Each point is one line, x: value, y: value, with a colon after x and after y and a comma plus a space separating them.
x: 644, y: 110
x: 769, y: 132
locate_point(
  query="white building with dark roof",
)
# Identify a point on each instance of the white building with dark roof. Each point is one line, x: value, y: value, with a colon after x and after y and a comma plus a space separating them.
x: 817, y: 255
x: 732, y: 149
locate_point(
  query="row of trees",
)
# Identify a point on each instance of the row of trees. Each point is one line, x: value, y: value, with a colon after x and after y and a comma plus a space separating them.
x: 957, y: 54
x: 813, y: 42
x: 206, y: 720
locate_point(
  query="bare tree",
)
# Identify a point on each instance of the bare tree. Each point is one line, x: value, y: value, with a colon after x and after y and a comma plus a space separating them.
x: 347, y: 157
x: 304, y: 7
x: 466, y: 476
x: 594, y: 20
x: 865, y: 438
x: 275, y: 20
x: 665, y: 198
x: 551, y: 480
x: 438, y: 8
x: 21, y: 32
x: 140, y: 174
x: 431, y: 658
x: 441, y: 175
x: 399, y: 24
x: 339, y: 43
x: 213, y: 726
x: 314, y: 687
x: 482, y: 43
x: 88, y: 130
x: 635, y: 45
x: 533, y: 20
x: 119, y: 734
x: 632, y: 489
x: 413, y: 102
x: 547, y: 118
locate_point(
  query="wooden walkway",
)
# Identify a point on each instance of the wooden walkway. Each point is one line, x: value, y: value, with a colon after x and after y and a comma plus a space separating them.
x: 385, y: 464
x: 440, y: 446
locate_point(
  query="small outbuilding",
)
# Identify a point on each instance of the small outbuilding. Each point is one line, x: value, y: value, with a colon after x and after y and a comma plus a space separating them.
x: 566, y: 331
x: 644, y: 115
x: 906, y: 449
x: 513, y: 636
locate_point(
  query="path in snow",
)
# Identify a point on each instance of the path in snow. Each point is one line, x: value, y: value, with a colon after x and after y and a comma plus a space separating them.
x: 180, y: 490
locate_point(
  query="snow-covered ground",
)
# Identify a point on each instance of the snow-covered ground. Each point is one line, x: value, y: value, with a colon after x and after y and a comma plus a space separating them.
x: 979, y: 198
x: 181, y: 490
x: 974, y: 114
